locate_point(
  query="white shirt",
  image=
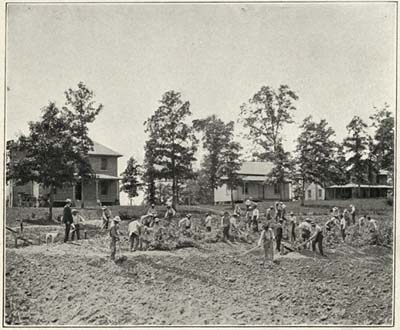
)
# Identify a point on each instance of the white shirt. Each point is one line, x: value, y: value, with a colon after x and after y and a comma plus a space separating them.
x: 373, y: 223
x: 208, y: 221
x: 134, y: 227
x: 343, y: 223
x: 77, y: 219
x: 256, y: 213
x: 184, y: 222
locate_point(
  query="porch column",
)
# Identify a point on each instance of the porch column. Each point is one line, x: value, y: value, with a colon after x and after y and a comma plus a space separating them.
x: 97, y: 189
x: 73, y: 193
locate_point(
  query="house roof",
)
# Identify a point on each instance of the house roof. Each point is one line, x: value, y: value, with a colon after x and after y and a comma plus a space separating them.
x: 354, y: 185
x: 256, y: 168
x: 102, y: 150
x: 107, y: 177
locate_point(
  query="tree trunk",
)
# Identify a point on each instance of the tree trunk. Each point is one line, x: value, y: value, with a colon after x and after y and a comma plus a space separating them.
x: 130, y: 201
x: 51, y: 200
x: 303, y: 193
x: 232, y: 203
x: 174, y: 193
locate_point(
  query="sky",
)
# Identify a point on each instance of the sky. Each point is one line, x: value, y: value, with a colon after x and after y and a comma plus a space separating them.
x: 338, y: 57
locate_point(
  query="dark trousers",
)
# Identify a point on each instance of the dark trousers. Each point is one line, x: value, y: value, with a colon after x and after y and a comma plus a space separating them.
x: 318, y: 240
x: 208, y: 228
x: 67, y: 229
x: 255, y: 225
x: 113, y: 247
x: 343, y: 231
x: 293, y: 234
x: 278, y: 242
x: 225, y: 232
x: 133, y: 242
x: 77, y: 233
x: 353, y: 218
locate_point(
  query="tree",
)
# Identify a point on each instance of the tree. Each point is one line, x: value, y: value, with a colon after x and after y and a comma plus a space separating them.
x: 47, y: 155
x: 265, y: 115
x: 173, y: 140
x: 228, y: 171
x: 355, y: 146
x: 81, y: 110
x: 314, y: 154
x: 150, y: 173
x: 130, y: 182
x: 216, y: 136
x: 382, y: 146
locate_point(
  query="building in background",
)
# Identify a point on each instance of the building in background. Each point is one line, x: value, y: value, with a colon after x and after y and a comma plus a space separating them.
x: 254, y: 176
x: 314, y: 192
x: 379, y: 187
x: 103, y: 188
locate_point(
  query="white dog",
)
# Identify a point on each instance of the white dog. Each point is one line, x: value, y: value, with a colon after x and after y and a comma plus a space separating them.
x: 51, y: 236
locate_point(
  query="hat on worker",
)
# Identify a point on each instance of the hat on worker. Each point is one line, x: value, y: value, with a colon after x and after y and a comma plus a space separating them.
x: 308, y: 220
x: 188, y: 215
x: 74, y: 211
x: 117, y: 219
x: 291, y: 213
x: 104, y: 208
x: 68, y: 200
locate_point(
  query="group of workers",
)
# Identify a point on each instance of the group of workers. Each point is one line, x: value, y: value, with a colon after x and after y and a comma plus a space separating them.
x: 276, y: 226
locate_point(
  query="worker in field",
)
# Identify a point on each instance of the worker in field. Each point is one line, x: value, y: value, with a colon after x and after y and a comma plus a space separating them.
x: 152, y: 210
x: 268, y: 213
x: 134, y: 231
x: 238, y: 210
x: 67, y: 218
x: 225, y: 224
x: 305, y: 228
x: 292, y: 227
x: 255, y: 218
x: 346, y: 216
x: 335, y: 213
x: 283, y: 208
x: 279, y: 234
x: 330, y: 224
x: 185, y: 223
x: 266, y: 240
x: 278, y: 211
x: 114, y: 235
x: 362, y: 222
x: 374, y: 230
x: 106, y: 217
x: 353, y: 214
x: 169, y: 214
x: 317, y: 238
x: 343, y: 226
x: 78, y: 223
x: 208, y: 222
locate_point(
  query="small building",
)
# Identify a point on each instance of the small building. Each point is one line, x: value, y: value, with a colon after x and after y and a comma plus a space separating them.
x: 314, y: 192
x: 350, y: 190
x: 254, y: 176
x: 378, y: 188
x: 102, y: 188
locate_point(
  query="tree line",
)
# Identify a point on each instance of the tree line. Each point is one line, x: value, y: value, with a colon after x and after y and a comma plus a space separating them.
x: 173, y: 141
x: 56, y: 148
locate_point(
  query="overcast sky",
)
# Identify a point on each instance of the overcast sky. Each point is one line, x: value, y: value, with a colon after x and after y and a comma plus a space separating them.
x: 339, y: 58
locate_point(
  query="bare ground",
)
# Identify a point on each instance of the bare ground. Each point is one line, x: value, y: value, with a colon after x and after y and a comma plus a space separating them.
x: 70, y: 284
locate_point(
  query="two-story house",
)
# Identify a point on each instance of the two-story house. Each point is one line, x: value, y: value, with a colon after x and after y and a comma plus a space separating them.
x: 103, y: 187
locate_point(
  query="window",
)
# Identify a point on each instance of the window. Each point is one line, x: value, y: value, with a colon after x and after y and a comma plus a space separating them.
x: 320, y: 193
x: 103, y: 165
x: 309, y: 193
x: 104, y: 186
x: 276, y: 189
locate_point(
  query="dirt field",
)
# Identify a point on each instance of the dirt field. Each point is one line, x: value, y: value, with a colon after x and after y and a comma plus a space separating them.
x: 212, y: 283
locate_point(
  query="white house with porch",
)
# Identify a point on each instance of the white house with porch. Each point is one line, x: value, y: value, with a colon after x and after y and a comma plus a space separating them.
x: 254, y: 176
